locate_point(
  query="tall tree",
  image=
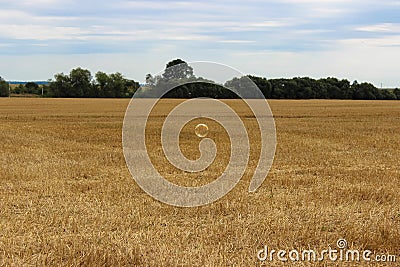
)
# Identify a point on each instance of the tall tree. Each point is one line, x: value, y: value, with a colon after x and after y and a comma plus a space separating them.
x: 80, y: 82
x: 101, y: 85
x: 178, y: 69
x: 118, y: 88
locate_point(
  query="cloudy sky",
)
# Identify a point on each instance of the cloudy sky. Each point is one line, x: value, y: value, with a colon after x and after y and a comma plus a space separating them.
x: 357, y: 40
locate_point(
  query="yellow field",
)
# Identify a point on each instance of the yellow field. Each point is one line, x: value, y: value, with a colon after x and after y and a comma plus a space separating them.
x: 67, y: 198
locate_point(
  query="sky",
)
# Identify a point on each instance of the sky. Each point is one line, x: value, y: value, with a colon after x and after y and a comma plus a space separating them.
x: 355, y: 40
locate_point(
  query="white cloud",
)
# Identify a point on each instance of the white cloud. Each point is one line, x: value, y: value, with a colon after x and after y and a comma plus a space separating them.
x: 269, y: 23
x: 236, y: 41
x: 384, y: 41
x: 40, y: 32
x: 328, y: 11
x: 381, y: 28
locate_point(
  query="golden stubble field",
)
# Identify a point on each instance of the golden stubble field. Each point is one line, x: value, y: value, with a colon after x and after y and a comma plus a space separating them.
x: 67, y: 198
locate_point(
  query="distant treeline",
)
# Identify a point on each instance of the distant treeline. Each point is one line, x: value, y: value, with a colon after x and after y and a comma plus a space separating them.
x: 295, y: 88
x: 80, y: 83
x: 327, y: 88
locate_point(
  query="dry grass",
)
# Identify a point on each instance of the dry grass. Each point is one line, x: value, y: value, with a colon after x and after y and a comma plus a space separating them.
x: 67, y: 198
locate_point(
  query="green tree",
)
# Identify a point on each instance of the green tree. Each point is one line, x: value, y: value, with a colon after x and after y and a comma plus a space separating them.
x: 4, y: 88
x: 61, y: 86
x: 278, y: 88
x: 291, y: 88
x: 365, y: 91
x: 80, y: 80
x: 130, y: 87
x: 305, y: 88
x: 118, y: 88
x: 114, y: 85
x: 102, y: 85
x: 177, y: 69
x: 263, y: 84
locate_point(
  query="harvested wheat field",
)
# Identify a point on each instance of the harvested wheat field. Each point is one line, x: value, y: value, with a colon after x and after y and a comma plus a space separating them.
x: 68, y: 199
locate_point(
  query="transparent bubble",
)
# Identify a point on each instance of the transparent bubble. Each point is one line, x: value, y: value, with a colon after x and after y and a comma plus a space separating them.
x: 201, y: 130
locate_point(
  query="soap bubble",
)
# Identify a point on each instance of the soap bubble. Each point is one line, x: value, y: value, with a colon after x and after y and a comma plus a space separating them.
x: 201, y: 130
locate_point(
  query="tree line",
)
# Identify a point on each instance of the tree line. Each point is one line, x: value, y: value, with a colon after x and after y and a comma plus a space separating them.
x: 78, y: 83
x: 180, y: 76
x: 326, y: 88
x: 295, y: 88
